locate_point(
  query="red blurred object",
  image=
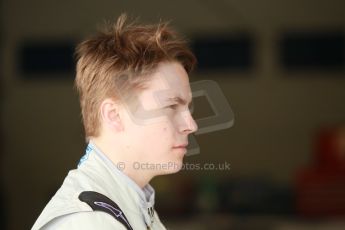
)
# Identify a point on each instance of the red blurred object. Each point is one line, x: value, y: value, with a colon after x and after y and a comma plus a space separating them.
x: 321, y: 186
x: 330, y: 148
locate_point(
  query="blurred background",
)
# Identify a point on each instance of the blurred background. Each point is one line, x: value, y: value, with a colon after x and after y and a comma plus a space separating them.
x: 280, y: 64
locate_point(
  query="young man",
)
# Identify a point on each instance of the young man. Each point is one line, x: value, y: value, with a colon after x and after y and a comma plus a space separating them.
x: 134, y: 95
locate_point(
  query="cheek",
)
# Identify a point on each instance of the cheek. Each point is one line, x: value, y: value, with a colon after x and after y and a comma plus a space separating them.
x: 158, y: 136
x: 168, y: 128
x: 158, y: 133
x: 164, y: 131
x: 164, y: 134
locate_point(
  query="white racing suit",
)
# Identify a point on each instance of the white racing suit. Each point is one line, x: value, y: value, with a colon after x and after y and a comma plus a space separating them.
x: 98, y: 174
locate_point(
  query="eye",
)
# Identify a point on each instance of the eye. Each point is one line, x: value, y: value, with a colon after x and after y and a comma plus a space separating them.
x: 174, y: 106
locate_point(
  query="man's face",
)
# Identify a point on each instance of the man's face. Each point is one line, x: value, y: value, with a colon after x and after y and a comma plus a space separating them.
x: 158, y: 122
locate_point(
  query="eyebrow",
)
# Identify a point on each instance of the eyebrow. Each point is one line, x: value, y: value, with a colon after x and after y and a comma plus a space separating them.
x: 179, y: 100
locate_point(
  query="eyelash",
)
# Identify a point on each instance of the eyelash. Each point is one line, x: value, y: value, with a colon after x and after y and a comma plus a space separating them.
x: 173, y: 106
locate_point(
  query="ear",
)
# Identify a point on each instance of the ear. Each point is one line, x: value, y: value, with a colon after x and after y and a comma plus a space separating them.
x: 110, y: 115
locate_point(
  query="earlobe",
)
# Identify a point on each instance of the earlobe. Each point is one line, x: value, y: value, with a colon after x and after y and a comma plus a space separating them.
x: 110, y: 115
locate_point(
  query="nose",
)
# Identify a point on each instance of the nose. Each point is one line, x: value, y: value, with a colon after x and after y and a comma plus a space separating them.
x: 188, y: 125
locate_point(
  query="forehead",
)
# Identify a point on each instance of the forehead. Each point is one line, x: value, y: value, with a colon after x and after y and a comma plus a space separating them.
x: 170, y: 80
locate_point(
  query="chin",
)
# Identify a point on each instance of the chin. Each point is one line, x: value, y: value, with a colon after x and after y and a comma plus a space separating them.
x: 177, y: 166
x: 173, y: 167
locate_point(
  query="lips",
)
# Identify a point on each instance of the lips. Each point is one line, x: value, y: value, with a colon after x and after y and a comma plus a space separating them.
x: 181, y: 146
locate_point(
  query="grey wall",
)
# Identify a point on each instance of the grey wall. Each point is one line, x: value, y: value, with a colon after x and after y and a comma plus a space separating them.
x: 276, y: 112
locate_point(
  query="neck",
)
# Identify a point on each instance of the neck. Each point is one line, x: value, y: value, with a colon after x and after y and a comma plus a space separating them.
x: 123, y: 161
